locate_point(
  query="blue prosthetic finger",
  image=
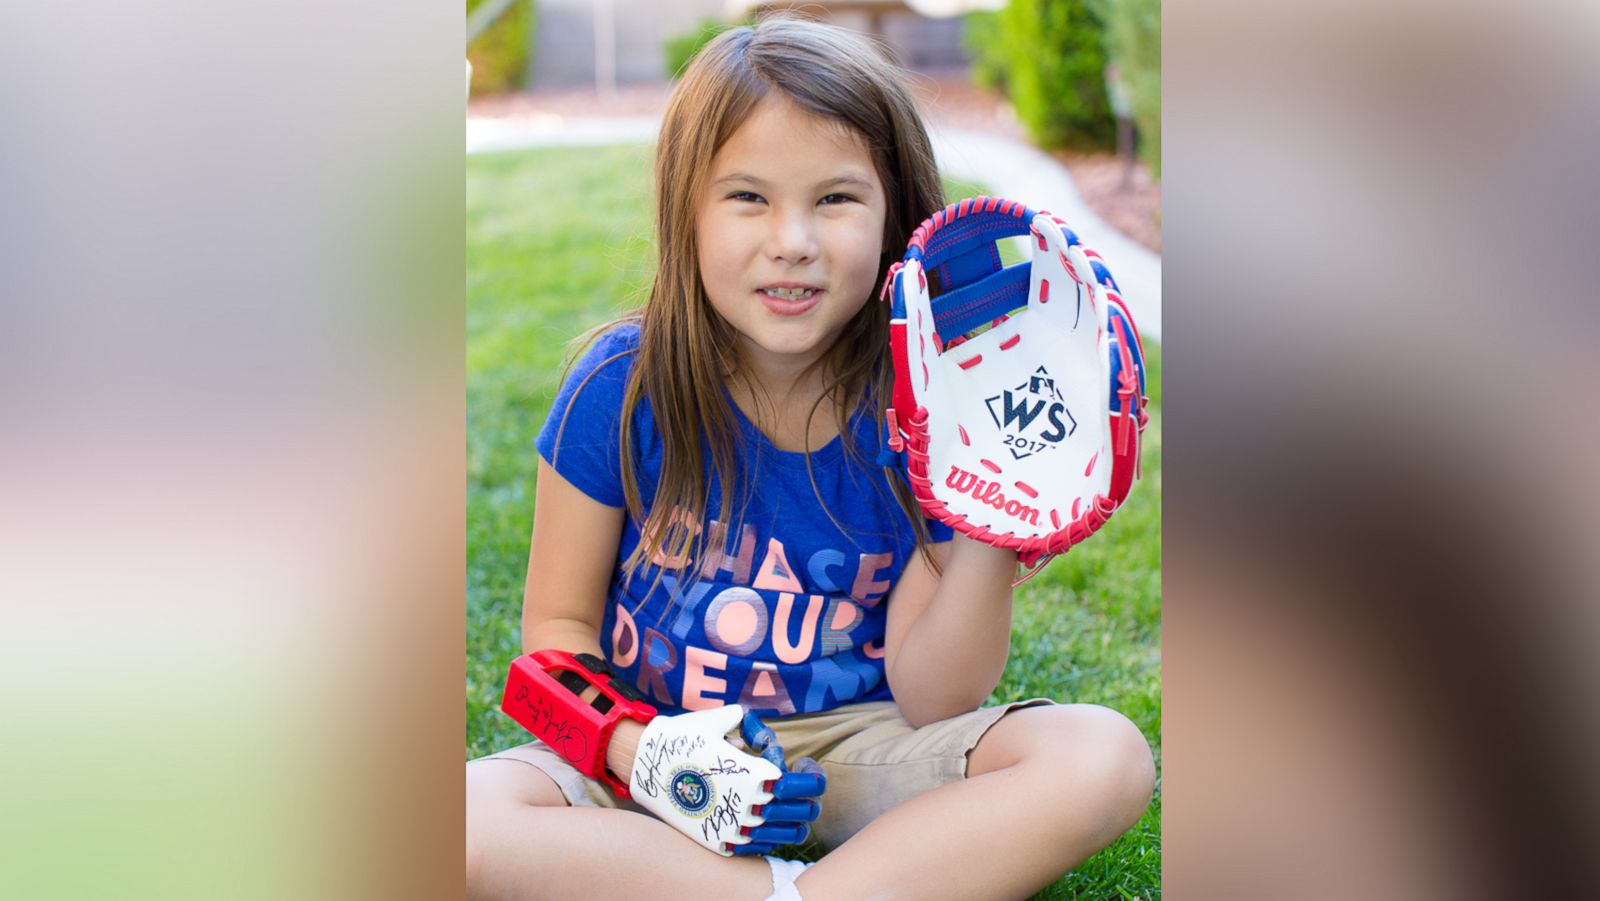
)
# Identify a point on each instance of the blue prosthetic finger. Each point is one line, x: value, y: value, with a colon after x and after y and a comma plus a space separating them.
x: 803, y: 811
x: 806, y: 780
x: 760, y: 738
x: 757, y: 735
x: 780, y: 833
x: 793, y: 786
x: 751, y: 848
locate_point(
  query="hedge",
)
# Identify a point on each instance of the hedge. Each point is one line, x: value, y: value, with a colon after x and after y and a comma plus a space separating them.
x: 1133, y: 39
x: 1048, y: 55
x: 500, y: 55
x: 677, y: 50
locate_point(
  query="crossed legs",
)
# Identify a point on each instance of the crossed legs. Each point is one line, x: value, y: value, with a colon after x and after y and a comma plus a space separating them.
x: 1046, y: 787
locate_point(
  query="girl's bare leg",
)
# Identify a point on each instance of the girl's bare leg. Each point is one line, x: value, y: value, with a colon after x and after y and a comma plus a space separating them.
x: 1046, y: 788
x: 523, y: 841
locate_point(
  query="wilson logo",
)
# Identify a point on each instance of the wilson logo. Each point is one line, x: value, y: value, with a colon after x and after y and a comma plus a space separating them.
x: 1033, y: 416
x: 986, y: 492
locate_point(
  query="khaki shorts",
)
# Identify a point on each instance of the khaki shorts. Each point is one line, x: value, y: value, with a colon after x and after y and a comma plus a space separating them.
x: 873, y: 758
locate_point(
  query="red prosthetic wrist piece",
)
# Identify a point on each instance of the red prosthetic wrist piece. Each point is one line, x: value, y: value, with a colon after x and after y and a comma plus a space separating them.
x: 544, y: 695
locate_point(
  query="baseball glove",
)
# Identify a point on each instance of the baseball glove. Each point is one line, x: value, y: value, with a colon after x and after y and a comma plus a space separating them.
x: 1018, y: 390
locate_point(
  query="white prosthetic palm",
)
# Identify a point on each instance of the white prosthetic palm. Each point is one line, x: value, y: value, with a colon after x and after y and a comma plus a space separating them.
x: 691, y: 777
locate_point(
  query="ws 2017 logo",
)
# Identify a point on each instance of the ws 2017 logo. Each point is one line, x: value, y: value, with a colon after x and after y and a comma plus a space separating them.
x: 1032, y: 416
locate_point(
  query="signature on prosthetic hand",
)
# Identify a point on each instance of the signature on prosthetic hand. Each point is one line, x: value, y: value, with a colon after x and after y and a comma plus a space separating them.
x: 564, y: 737
x: 725, y: 814
x: 727, y: 766
x: 657, y: 753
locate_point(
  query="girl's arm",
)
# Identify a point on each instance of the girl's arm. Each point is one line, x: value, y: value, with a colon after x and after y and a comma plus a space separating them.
x: 570, y: 561
x: 948, y: 638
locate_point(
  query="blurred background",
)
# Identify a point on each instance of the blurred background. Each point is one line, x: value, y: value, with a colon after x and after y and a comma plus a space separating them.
x: 233, y: 438
x: 1079, y: 79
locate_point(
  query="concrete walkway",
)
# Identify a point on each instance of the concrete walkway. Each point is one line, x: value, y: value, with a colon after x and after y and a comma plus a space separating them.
x: 1010, y: 169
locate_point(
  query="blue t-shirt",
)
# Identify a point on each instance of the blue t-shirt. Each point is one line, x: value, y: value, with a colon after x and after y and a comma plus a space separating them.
x: 790, y: 616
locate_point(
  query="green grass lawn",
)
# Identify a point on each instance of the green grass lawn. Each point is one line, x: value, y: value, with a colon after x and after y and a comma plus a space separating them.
x: 559, y: 240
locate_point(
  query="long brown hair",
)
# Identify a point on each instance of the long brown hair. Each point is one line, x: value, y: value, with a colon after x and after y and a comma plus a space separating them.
x: 687, y: 352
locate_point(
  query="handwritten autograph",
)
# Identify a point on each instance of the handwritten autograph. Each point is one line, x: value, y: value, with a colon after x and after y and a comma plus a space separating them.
x: 657, y: 753
x: 566, y: 738
x: 726, y: 813
x: 727, y: 766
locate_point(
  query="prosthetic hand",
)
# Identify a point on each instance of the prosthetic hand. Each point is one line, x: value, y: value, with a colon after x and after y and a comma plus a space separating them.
x: 689, y: 775
x: 686, y: 770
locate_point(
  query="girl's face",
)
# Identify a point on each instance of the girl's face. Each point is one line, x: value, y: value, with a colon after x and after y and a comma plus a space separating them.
x: 790, y: 232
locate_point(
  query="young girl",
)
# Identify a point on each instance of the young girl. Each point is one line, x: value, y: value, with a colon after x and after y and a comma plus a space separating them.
x: 711, y: 519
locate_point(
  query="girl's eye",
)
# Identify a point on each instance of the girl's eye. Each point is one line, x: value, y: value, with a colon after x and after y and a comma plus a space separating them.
x: 837, y: 198
x: 745, y: 196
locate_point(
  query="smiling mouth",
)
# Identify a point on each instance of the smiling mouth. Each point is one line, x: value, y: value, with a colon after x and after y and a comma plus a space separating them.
x: 790, y: 294
x: 790, y: 301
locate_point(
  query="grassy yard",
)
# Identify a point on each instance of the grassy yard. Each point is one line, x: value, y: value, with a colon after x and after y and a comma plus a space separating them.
x: 557, y: 241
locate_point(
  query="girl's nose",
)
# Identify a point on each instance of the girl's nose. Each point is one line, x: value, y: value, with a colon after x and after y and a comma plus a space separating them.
x: 792, y: 238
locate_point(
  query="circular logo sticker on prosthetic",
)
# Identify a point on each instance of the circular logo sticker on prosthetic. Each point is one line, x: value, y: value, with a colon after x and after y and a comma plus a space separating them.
x: 691, y: 791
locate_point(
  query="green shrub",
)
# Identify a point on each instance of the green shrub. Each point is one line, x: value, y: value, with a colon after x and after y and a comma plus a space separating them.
x: 501, y: 53
x: 980, y: 35
x: 679, y: 49
x: 1133, y: 40
x: 1053, y: 66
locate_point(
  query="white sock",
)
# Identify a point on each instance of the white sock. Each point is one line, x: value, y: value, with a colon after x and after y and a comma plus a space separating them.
x: 784, y: 873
